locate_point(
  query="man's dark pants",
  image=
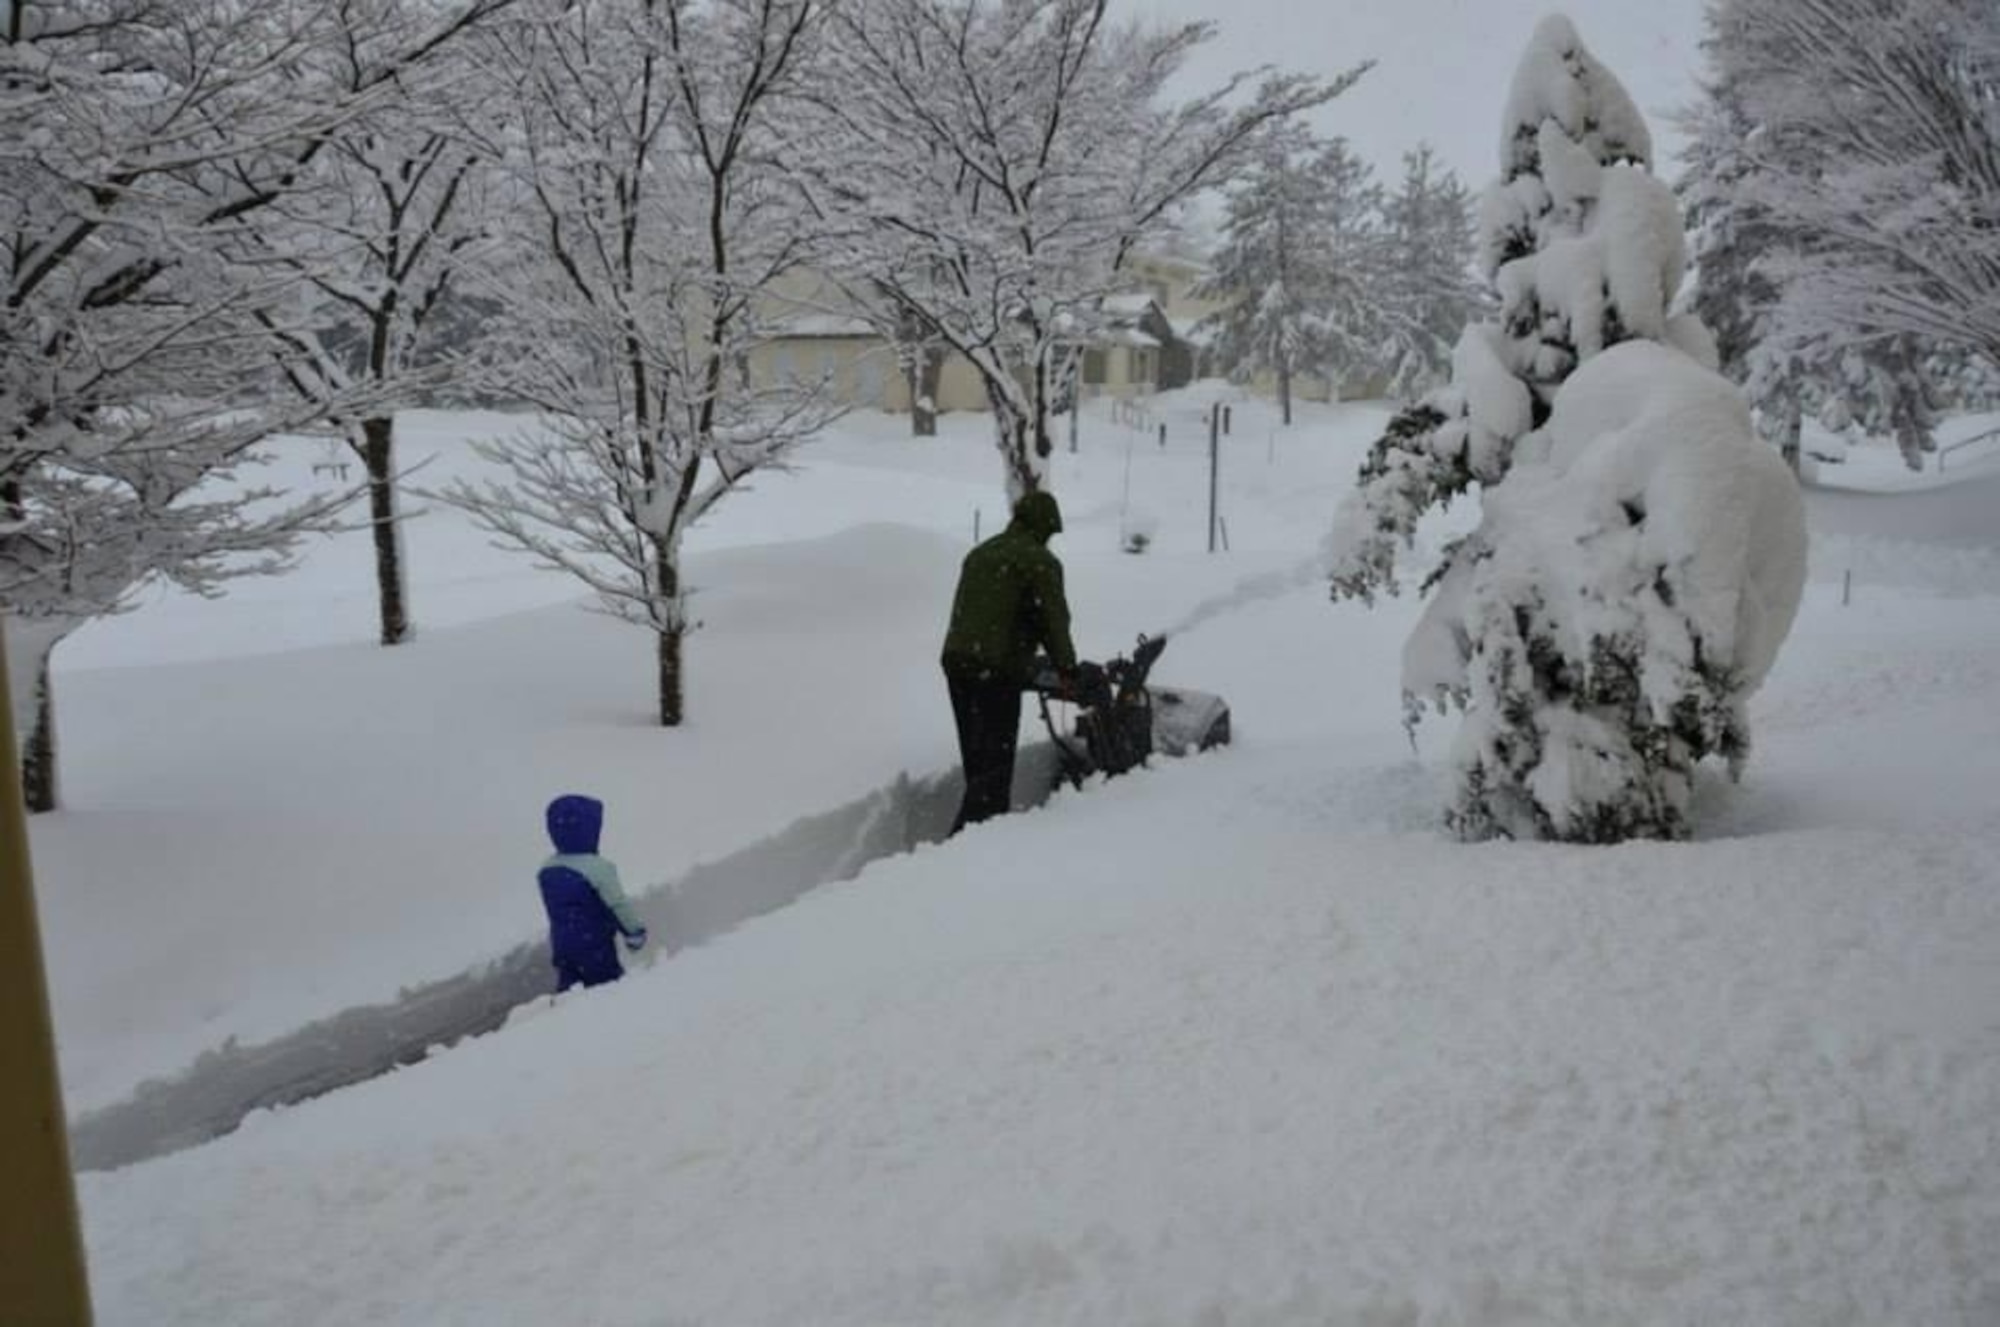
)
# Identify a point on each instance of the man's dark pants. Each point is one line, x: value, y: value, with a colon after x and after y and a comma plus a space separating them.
x: 988, y: 712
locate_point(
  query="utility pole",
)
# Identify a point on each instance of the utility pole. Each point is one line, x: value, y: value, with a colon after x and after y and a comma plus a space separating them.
x: 1214, y: 467
x: 42, y: 1279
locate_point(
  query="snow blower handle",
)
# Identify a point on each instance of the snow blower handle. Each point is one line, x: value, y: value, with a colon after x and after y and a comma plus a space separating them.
x: 1094, y: 685
x: 1087, y: 686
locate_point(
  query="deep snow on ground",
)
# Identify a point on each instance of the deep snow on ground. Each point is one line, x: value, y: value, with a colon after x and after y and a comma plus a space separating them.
x: 1241, y: 1039
x: 257, y: 840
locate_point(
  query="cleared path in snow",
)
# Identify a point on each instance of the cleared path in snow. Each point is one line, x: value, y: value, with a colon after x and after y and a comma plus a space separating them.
x: 213, y: 1096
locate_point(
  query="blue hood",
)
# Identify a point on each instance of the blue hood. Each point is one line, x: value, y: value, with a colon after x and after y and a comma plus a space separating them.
x: 574, y: 822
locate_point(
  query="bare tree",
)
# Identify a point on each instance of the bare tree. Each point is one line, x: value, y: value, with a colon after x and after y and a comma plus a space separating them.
x: 146, y: 141
x: 652, y: 229
x: 381, y: 230
x: 991, y: 165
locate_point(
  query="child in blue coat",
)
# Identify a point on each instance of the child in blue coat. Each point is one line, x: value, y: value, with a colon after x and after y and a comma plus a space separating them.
x: 587, y: 906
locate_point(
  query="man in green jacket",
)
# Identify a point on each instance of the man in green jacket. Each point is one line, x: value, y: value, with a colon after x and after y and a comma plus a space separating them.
x: 1009, y: 605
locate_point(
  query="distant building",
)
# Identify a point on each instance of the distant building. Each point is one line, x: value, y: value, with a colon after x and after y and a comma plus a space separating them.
x: 818, y: 334
x: 1153, y: 339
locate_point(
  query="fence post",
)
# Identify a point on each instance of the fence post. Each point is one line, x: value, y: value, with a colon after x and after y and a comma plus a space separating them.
x: 1214, y: 469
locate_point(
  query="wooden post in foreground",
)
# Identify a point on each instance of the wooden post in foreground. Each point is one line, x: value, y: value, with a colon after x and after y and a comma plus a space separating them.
x: 42, y: 1282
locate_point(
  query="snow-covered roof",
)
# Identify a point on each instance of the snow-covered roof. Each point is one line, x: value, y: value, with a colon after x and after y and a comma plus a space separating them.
x: 824, y: 325
x: 1129, y: 336
x: 1128, y: 306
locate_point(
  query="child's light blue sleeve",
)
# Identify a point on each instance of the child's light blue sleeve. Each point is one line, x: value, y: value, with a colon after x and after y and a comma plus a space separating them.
x: 604, y: 879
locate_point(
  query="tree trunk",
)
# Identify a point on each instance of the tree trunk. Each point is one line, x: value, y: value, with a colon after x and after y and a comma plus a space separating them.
x: 378, y: 454
x: 1015, y: 435
x: 1285, y: 393
x: 670, y: 637
x: 926, y: 369
x: 38, y: 757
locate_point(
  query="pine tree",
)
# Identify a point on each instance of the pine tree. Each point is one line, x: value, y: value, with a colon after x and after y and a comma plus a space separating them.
x: 1734, y: 296
x: 1639, y: 554
x: 1300, y: 263
x: 1429, y: 290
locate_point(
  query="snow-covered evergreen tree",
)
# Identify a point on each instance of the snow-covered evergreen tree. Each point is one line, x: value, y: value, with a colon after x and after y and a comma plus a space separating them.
x: 650, y: 232
x: 1301, y: 264
x: 1640, y: 554
x: 1430, y: 286
x: 1733, y: 294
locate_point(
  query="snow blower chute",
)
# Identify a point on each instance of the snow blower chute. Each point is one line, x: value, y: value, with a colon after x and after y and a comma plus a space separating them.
x: 1121, y: 720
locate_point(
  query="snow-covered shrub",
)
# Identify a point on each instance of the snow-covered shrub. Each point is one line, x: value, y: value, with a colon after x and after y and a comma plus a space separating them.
x: 1640, y: 554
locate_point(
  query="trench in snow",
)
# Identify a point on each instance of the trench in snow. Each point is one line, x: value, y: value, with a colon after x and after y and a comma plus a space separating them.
x: 212, y: 1096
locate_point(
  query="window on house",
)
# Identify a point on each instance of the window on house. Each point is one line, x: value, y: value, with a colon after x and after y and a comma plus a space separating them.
x: 1093, y: 368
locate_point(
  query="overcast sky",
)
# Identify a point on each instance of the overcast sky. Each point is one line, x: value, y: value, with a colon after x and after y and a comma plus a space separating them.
x: 1442, y: 66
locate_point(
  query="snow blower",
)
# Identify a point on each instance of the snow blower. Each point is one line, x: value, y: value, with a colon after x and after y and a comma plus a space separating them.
x: 1121, y: 720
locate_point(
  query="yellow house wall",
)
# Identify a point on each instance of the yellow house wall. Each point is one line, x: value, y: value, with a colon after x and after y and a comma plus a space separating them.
x: 852, y: 366
x: 861, y: 371
x: 1126, y: 375
x: 1313, y: 387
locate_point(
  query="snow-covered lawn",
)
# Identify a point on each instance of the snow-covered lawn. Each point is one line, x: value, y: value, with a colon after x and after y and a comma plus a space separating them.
x: 1238, y: 1040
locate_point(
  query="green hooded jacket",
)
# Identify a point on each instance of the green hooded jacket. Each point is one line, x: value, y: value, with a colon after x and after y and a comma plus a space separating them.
x: 1010, y: 599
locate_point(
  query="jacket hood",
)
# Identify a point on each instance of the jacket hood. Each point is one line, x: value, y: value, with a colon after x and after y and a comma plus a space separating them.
x: 1039, y: 515
x: 574, y: 823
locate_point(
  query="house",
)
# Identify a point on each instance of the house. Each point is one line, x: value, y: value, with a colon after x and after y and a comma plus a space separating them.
x: 857, y: 362
x: 1173, y: 278
x: 1138, y: 351
x: 817, y: 334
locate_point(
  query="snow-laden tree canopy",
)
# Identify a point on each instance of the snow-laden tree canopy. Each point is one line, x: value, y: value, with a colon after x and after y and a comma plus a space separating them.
x: 147, y: 147
x: 1301, y: 264
x: 1640, y: 554
x: 988, y: 166
x: 650, y: 227
x: 1430, y: 290
x: 1844, y: 165
x: 1323, y: 272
